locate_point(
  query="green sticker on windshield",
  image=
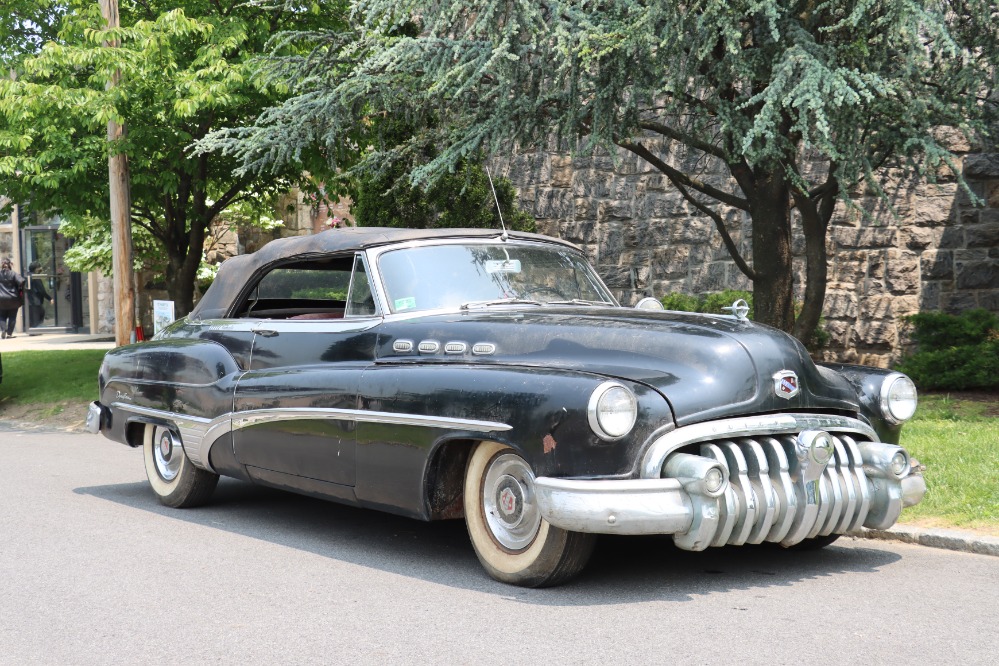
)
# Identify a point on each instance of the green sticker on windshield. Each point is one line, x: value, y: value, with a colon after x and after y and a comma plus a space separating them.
x: 405, y: 303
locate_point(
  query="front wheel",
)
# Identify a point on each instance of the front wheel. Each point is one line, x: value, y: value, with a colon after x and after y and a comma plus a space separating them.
x: 512, y: 541
x: 172, y: 475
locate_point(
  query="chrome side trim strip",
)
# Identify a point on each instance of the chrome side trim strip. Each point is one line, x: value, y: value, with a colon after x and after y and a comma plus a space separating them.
x: 197, y: 433
x: 654, y: 458
x: 252, y: 417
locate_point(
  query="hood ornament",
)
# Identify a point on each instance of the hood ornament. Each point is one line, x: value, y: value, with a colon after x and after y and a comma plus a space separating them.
x: 786, y: 384
x: 739, y: 309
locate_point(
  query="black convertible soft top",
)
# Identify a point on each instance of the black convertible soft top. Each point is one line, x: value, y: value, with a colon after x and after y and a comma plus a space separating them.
x: 236, y: 271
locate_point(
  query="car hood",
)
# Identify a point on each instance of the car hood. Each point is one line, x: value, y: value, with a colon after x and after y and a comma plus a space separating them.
x: 706, y: 366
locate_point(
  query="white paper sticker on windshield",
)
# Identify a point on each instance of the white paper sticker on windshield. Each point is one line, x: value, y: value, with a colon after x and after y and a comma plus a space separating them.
x: 503, y: 266
x: 407, y: 303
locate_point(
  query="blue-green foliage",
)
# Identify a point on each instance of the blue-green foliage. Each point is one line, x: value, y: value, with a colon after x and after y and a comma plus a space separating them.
x: 954, y: 352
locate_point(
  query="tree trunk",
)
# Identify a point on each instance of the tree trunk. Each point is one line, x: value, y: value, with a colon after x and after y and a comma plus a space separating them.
x: 773, y: 288
x: 816, y: 270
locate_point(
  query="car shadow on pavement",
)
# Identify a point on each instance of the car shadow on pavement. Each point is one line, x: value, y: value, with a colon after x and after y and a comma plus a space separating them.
x: 623, y: 569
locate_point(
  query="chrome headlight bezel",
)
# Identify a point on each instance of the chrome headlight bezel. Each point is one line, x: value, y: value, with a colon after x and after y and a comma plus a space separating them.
x: 895, y: 409
x: 596, y: 411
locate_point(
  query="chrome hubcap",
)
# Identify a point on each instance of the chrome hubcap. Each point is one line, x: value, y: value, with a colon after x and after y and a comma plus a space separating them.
x: 511, y: 511
x: 166, y: 454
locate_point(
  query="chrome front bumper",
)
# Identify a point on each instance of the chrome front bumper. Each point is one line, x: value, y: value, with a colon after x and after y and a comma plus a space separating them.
x: 774, y: 491
x: 95, y: 417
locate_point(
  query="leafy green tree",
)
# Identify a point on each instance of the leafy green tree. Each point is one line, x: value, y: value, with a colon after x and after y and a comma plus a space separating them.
x: 461, y: 199
x: 776, y: 110
x: 187, y: 67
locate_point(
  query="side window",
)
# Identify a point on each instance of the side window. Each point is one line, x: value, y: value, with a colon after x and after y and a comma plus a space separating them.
x: 307, y: 290
x: 360, y: 301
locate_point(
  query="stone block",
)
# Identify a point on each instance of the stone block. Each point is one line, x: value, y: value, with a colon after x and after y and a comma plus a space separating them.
x: 585, y: 208
x: 903, y: 306
x: 671, y: 263
x: 592, y: 184
x: 617, y: 277
x: 708, y: 277
x: 989, y: 300
x: 928, y: 211
x: 977, y: 190
x: 562, y: 171
x: 937, y: 265
x: 992, y: 194
x: 871, y: 237
x: 902, y: 276
x: 929, y: 295
x: 978, y: 275
x: 982, y: 165
x: 952, y: 139
x: 552, y: 203
x: 841, y: 304
x: 694, y: 230
x: 615, y: 209
x: 848, y: 267
x: 918, y: 238
x: 580, y: 232
x: 654, y: 204
x: 956, y: 302
x: 982, y: 235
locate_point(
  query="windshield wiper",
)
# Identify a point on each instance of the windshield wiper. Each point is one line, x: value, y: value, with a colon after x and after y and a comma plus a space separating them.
x: 580, y: 301
x: 500, y: 301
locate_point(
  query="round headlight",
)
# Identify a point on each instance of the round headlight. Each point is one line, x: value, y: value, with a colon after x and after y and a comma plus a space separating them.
x: 612, y: 411
x: 898, y: 398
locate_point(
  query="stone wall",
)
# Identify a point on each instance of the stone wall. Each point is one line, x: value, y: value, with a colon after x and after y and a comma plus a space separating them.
x: 937, y: 251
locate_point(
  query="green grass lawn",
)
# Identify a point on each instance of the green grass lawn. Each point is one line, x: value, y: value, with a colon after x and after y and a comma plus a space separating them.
x: 45, y: 377
x: 958, y: 441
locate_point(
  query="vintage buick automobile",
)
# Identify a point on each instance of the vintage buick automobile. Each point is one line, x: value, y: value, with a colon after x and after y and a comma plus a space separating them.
x: 447, y: 373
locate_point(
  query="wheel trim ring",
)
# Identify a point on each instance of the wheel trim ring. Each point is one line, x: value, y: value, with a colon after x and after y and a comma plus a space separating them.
x: 513, y: 530
x: 167, y: 465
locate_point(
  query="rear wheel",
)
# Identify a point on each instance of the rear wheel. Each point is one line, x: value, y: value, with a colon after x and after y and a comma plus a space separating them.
x: 512, y: 541
x: 172, y: 475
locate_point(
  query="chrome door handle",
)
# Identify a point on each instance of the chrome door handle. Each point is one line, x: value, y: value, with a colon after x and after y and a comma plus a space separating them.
x: 265, y: 332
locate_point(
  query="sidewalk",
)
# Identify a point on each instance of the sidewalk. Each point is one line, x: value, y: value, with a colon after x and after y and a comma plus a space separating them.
x: 51, y: 341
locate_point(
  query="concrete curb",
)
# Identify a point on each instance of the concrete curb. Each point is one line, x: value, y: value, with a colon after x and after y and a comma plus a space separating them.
x: 967, y: 542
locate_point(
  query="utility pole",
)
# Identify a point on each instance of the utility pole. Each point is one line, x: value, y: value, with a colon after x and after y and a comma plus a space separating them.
x: 121, y: 226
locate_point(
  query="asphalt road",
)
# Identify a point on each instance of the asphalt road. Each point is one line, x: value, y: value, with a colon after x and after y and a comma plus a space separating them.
x: 93, y: 570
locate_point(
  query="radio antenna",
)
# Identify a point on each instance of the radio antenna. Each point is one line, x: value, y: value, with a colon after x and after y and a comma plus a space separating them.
x: 499, y: 212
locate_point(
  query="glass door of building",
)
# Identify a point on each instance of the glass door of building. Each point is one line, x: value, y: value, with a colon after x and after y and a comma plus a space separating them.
x: 55, y: 297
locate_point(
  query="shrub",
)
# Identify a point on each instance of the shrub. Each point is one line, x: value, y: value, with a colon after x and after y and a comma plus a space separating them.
x: 954, y: 352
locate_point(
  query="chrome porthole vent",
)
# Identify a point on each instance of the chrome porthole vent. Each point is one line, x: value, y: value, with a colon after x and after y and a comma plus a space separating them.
x: 483, y: 348
x: 429, y: 347
x: 455, y: 348
x: 402, y: 346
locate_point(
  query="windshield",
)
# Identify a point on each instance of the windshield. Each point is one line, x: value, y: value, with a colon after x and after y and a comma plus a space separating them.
x: 479, y: 275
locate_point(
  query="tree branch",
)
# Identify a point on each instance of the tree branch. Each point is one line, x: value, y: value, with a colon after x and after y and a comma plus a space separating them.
x: 679, y: 177
x: 684, y: 138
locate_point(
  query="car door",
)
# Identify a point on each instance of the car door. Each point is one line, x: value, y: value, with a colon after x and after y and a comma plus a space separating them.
x: 294, y: 411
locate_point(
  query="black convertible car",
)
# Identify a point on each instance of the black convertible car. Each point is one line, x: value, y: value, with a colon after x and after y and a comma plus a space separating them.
x: 461, y: 373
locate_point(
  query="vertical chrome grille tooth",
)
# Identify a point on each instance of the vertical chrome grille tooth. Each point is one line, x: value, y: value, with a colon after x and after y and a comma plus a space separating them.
x: 729, y: 504
x: 848, y: 482
x: 857, y: 463
x: 739, y: 482
x: 837, y: 503
x: 780, y: 477
x: 766, y: 497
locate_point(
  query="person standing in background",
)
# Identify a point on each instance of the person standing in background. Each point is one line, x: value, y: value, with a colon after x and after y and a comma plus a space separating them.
x: 11, y: 295
x: 37, y: 295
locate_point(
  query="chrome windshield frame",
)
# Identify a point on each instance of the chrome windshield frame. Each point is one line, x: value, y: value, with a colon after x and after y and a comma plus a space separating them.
x: 381, y: 293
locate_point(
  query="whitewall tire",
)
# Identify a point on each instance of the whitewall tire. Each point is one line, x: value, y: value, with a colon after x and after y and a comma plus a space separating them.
x: 172, y: 475
x: 512, y: 541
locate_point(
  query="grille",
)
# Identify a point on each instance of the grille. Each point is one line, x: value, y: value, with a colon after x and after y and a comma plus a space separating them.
x: 766, y: 499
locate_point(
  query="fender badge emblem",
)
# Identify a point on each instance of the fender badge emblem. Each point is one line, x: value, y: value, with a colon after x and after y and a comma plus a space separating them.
x: 786, y: 384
